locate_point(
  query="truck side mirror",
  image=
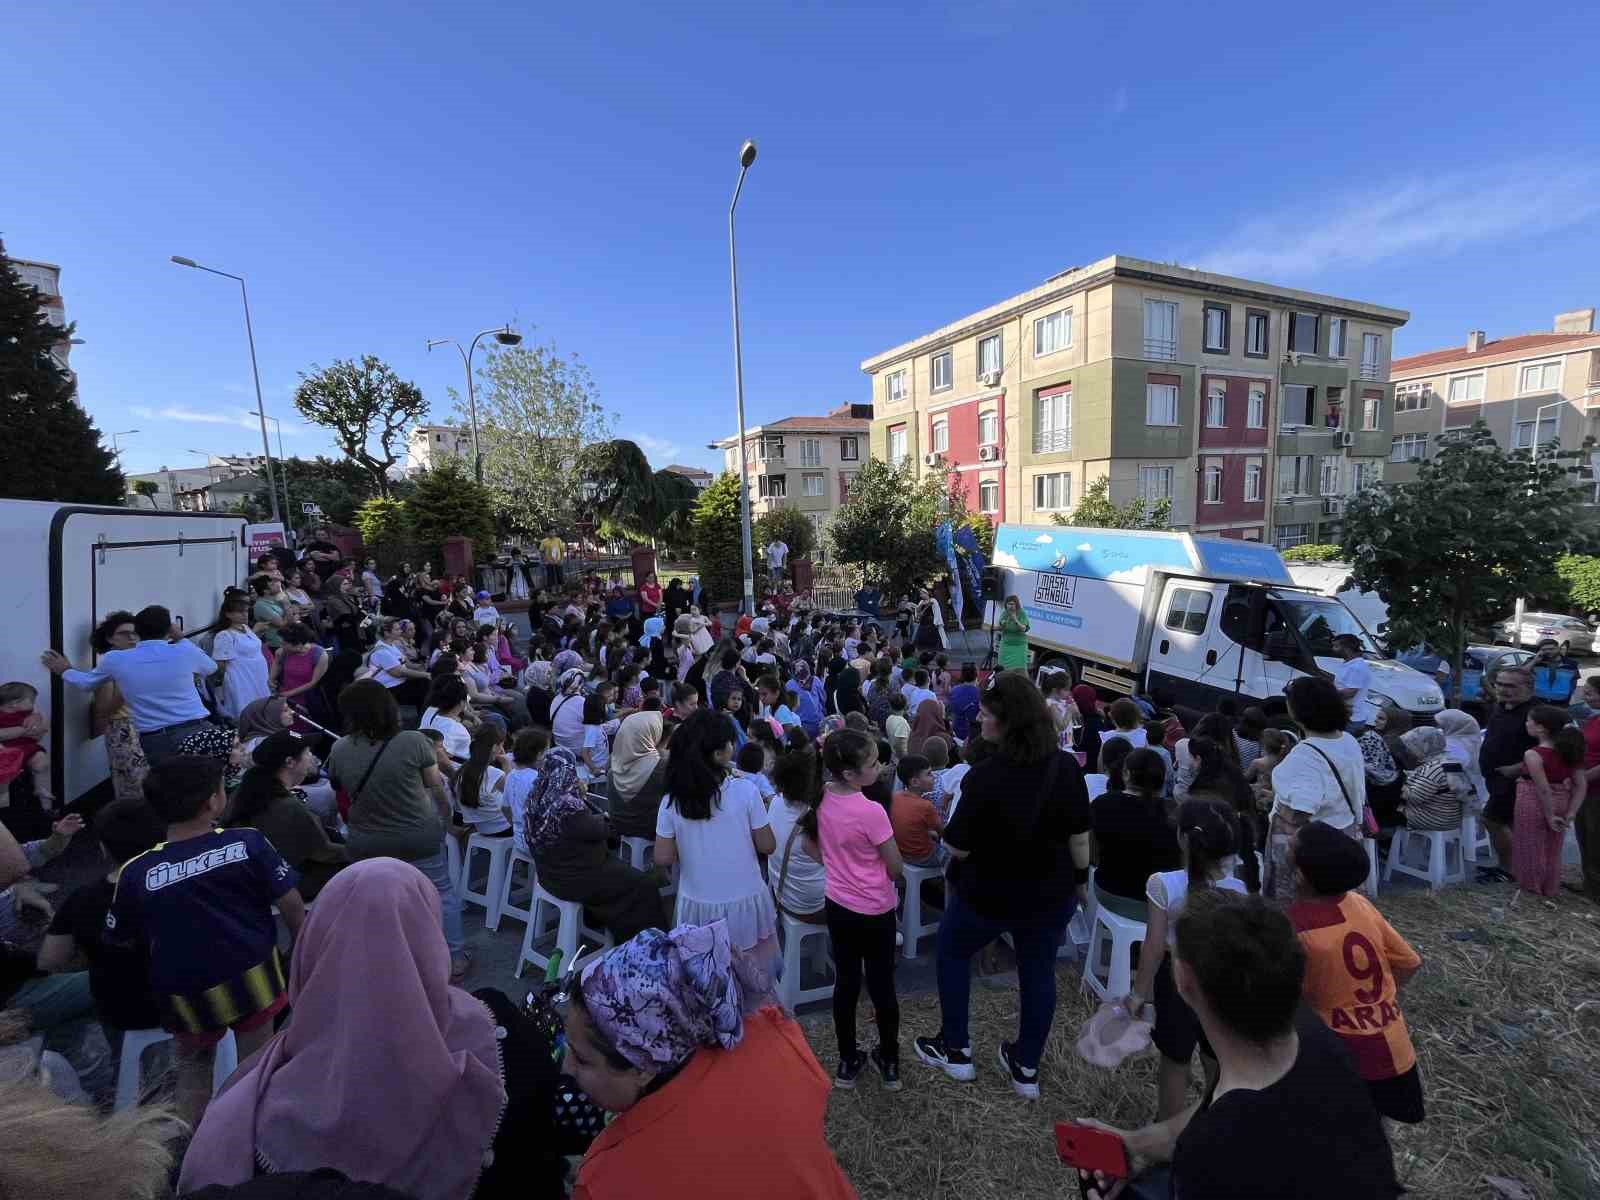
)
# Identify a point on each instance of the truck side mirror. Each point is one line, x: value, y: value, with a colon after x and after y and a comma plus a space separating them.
x: 1281, y: 646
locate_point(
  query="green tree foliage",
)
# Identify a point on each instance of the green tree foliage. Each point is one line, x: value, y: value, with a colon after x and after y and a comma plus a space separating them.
x: 1580, y: 576
x: 1453, y: 550
x: 1312, y: 552
x: 148, y: 489
x: 363, y: 403
x: 787, y: 525
x: 619, y: 487
x: 53, y: 450
x: 1096, y: 510
x: 337, y: 486
x: 673, y: 518
x: 449, y: 502
x: 385, y: 526
x: 718, y: 541
x: 886, y: 527
x: 537, y: 412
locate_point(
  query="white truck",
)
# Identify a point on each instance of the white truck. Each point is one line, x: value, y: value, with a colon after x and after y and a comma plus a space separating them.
x: 1333, y: 579
x: 70, y: 565
x: 1196, y: 618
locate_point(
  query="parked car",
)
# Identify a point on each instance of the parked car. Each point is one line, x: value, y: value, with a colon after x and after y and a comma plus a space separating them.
x: 1571, y: 634
x: 1481, y: 664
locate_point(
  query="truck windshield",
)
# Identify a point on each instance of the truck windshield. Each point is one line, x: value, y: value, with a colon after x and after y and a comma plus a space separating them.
x: 1319, y: 620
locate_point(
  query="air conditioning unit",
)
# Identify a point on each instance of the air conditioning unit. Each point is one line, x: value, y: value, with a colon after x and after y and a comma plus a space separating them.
x: 1347, y: 439
x: 989, y: 378
x: 1332, y: 506
x: 988, y: 453
x: 932, y: 459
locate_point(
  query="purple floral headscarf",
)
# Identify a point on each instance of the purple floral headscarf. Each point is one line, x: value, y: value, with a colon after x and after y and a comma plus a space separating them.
x: 556, y: 795
x: 662, y: 996
x: 566, y: 661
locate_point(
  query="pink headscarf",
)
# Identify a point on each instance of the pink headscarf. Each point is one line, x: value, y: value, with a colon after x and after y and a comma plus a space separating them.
x: 386, y: 1072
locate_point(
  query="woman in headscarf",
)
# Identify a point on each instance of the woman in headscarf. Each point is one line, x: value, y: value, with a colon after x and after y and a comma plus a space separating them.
x: 811, y: 698
x: 566, y: 710
x: 675, y: 1032
x: 415, y: 1084
x: 653, y: 639
x: 568, y: 841
x: 1435, y: 788
x: 674, y: 600
x: 847, y: 697
x: 263, y: 718
x: 1091, y: 723
x: 638, y: 774
x: 1462, y: 741
x: 1382, y: 753
x: 929, y: 723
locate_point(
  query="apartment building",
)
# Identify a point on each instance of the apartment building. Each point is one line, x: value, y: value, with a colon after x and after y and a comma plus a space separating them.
x: 699, y: 476
x: 807, y: 463
x: 226, y: 481
x: 1256, y: 409
x: 46, y: 277
x: 1532, y: 389
x: 429, y: 446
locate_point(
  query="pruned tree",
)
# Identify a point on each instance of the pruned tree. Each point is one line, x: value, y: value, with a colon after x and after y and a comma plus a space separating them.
x: 1096, y: 510
x: 369, y: 408
x: 718, y: 541
x: 148, y: 489
x: 886, y: 525
x: 787, y: 525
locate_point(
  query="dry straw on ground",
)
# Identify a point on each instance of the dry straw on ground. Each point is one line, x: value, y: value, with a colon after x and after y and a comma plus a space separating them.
x: 1505, y: 1017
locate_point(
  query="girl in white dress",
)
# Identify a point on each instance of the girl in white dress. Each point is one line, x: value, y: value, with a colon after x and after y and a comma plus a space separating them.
x: 237, y: 651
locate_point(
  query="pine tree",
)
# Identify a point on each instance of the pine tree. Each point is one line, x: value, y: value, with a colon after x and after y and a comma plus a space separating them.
x: 53, y: 450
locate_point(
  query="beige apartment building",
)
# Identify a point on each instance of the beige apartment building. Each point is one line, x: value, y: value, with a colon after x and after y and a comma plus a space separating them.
x: 806, y: 463
x: 1256, y: 409
x: 1532, y: 389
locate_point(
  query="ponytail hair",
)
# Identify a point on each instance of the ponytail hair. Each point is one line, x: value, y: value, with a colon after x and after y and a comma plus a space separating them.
x: 1210, y: 835
x: 798, y: 777
x: 469, y: 784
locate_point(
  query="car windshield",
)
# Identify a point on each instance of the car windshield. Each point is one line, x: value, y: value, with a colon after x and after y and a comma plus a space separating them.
x: 1319, y: 620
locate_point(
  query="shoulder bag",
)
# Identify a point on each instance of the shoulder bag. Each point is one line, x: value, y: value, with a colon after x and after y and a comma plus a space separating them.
x: 783, y: 873
x: 1369, y: 823
x: 344, y: 798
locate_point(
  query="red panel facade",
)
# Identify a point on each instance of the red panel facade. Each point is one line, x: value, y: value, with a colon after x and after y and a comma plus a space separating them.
x: 1236, y: 411
x: 962, y: 452
x: 1233, y: 508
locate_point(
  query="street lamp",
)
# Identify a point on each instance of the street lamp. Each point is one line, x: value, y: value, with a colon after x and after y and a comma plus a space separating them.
x: 288, y: 508
x: 506, y: 336
x: 747, y: 155
x: 272, y: 491
x: 116, y: 451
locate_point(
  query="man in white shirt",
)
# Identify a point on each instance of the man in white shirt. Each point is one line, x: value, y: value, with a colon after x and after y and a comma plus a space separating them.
x: 777, y: 555
x: 1353, y: 680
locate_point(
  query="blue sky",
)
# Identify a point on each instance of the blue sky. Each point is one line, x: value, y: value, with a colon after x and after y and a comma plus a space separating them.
x: 386, y: 173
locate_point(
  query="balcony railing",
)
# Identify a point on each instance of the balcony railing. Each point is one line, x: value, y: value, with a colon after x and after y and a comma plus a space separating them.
x: 1369, y: 370
x: 1051, y: 441
x: 1164, y: 349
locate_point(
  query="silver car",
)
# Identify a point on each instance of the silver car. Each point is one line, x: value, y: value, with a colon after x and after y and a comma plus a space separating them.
x: 1572, y: 635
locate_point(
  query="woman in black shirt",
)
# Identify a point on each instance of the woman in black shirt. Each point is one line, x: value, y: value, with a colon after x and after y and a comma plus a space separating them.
x: 1133, y: 836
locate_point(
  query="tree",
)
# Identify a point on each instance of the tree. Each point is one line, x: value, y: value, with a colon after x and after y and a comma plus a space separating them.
x: 148, y: 489
x: 1453, y: 550
x: 385, y: 526
x: 1312, y: 552
x: 886, y: 525
x: 537, y: 412
x: 618, y: 486
x: 718, y: 539
x: 338, y: 486
x: 361, y: 402
x: 787, y: 525
x: 1098, y: 511
x: 672, y: 520
x: 53, y: 451
x: 1579, y: 576
x: 449, y: 502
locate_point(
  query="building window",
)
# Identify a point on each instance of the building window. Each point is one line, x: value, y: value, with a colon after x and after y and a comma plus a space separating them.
x: 1256, y: 336
x: 989, y: 496
x: 769, y: 449
x: 1297, y: 402
x: 939, y: 372
x: 897, y: 445
x: 810, y: 452
x: 1466, y: 389
x: 846, y: 478
x: 1409, y: 447
x: 1294, y: 475
x: 1216, y: 405
x: 989, y: 355
x: 811, y: 484
x: 1161, y: 329
x: 1363, y: 475
x: 1213, y: 481
x: 894, y: 386
x: 1291, y: 535
x: 1189, y: 609
x: 1541, y: 377
x: 988, y: 428
x: 1255, y: 416
x: 939, y: 436
x: 849, y: 450
x: 1052, y: 333
x: 1337, y: 328
x: 1303, y: 332
x: 1052, y: 492
x: 1052, y: 422
x: 1411, y: 397
x: 772, y: 487
x: 1329, y: 483
x: 1371, y: 410
x: 1155, y: 483
x: 1160, y: 404
x: 1252, y: 479
x: 1371, y: 353
x: 1219, y: 318
x: 1522, y: 434
x: 819, y: 525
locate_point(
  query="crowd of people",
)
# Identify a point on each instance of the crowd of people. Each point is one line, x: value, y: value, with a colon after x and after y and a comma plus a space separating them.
x: 300, y: 766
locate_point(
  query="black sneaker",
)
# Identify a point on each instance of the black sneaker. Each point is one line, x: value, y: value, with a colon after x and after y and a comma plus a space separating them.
x: 849, y: 1068
x: 889, y: 1068
x: 1024, y: 1081
x: 1493, y: 875
x: 955, y: 1063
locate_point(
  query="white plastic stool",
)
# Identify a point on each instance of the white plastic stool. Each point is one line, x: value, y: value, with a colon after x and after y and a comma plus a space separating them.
x: 1116, y: 935
x: 640, y: 854
x: 795, y: 934
x: 1476, y: 844
x: 136, y: 1041
x: 1435, y: 869
x: 1370, y: 887
x: 567, y: 928
x: 507, y: 881
x: 499, y: 851
x: 912, y: 925
x: 452, y: 858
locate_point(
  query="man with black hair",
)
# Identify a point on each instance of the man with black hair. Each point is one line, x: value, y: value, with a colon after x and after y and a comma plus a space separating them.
x: 1287, y: 1115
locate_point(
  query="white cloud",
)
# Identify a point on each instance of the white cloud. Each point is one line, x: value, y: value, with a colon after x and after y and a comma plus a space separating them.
x: 196, y: 416
x: 1411, y: 217
x: 1044, y: 539
x: 660, y: 451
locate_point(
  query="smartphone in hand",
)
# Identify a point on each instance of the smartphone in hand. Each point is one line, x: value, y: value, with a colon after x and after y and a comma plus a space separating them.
x: 1089, y: 1149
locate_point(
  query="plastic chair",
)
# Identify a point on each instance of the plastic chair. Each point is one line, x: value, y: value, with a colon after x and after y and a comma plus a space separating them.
x: 567, y: 928
x: 794, y: 935
x: 1435, y: 868
x: 499, y: 850
x: 1115, y: 936
x: 136, y: 1041
x: 1370, y: 887
x: 452, y: 858
x: 639, y: 853
x: 912, y: 925
x: 1476, y: 844
x: 507, y: 885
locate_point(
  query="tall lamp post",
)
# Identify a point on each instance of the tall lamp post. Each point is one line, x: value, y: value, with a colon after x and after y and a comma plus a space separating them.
x: 266, y: 447
x: 116, y: 450
x: 506, y: 336
x: 747, y: 155
x: 288, y: 509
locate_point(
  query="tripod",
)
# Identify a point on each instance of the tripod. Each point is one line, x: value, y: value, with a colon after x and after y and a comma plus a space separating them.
x: 989, y: 612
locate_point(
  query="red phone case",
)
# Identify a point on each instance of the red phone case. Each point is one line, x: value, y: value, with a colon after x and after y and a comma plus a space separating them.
x: 1091, y: 1149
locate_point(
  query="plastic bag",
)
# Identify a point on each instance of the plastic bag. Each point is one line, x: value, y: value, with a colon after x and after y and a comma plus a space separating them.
x: 1111, y: 1035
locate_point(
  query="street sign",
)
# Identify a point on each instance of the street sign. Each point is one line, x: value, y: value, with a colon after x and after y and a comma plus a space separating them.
x: 311, y: 510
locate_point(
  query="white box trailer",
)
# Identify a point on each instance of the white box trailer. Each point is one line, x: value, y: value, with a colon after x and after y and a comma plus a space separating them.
x: 1194, y: 617
x: 73, y: 564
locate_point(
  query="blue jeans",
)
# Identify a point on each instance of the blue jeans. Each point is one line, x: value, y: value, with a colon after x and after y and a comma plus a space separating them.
x: 436, y: 867
x: 962, y: 933
x: 62, y: 1010
x: 161, y: 744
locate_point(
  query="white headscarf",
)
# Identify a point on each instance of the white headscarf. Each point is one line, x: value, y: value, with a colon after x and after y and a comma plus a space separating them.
x: 1462, y: 741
